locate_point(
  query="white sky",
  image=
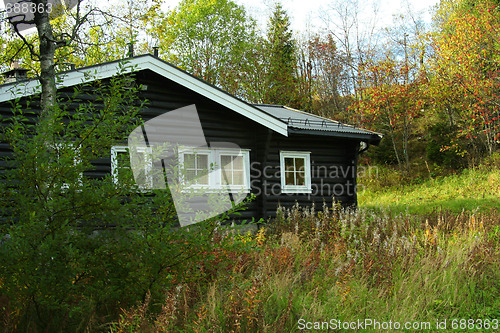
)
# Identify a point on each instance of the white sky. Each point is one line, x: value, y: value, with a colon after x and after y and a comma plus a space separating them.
x: 309, y: 13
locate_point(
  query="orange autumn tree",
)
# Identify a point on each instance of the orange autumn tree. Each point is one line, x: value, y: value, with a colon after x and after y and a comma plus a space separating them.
x: 392, y: 97
x: 465, y: 83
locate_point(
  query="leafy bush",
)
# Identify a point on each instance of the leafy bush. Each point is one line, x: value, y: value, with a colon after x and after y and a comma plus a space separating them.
x: 75, y: 249
x: 338, y: 264
x: 442, y: 147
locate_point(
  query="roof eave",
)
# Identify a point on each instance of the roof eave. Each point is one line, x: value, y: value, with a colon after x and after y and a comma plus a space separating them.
x: 371, y: 138
x: 147, y: 62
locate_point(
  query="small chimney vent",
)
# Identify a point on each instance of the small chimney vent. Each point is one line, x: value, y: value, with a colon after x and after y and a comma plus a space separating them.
x: 131, y: 50
x: 155, y: 51
x: 16, y: 73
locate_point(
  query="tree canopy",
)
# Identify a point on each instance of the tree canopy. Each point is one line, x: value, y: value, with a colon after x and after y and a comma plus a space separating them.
x: 394, y: 81
x: 208, y: 38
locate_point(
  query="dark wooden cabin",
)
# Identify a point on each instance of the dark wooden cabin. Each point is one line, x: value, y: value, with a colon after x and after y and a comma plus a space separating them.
x: 320, y: 154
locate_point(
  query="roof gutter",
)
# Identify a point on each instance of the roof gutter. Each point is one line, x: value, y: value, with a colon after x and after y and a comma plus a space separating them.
x: 369, y: 138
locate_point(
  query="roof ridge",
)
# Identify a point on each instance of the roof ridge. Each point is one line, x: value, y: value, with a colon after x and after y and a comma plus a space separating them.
x: 313, y: 115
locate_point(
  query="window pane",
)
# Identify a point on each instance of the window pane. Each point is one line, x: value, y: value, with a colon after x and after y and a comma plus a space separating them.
x: 124, y: 172
x: 189, y: 161
x: 289, y: 165
x: 225, y: 161
x: 299, y: 164
x: 232, y: 170
x: 238, y: 178
x: 238, y: 163
x: 141, y: 160
x: 301, y: 178
x: 190, y: 175
x: 141, y: 179
x: 226, y: 176
x: 203, y: 180
x: 202, y: 162
x: 123, y: 160
x: 289, y: 178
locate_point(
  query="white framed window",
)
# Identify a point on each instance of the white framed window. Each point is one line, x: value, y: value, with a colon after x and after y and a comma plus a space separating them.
x: 60, y: 151
x: 295, y: 170
x: 121, y: 171
x: 196, y: 165
x: 234, y: 169
x: 215, y: 168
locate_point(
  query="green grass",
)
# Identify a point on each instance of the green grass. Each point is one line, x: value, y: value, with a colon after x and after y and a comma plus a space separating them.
x: 381, y: 262
x: 341, y: 265
x: 470, y: 190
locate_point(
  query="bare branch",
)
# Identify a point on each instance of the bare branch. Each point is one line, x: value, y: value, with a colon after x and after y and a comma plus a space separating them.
x: 34, y: 55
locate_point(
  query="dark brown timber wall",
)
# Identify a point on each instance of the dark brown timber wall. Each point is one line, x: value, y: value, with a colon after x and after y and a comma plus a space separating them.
x: 333, y: 160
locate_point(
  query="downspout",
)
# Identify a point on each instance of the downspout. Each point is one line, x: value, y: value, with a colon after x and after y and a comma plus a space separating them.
x: 355, y: 176
x: 362, y: 150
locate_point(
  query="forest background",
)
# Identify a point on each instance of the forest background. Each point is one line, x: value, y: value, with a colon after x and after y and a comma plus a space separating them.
x: 423, y: 245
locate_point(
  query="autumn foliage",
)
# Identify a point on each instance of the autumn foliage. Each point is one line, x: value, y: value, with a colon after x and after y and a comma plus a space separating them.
x: 465, y: 72
x: 448, y: 77
x: 392, y: 97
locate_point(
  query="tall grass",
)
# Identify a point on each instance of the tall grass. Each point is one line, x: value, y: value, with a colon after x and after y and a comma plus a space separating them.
x: 337, y: 264
x: 469, y: 190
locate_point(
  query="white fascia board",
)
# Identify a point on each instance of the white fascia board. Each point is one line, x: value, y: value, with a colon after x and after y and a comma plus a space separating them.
x: 69, y: 79
x: 31, y: 87
x: 216, y: 95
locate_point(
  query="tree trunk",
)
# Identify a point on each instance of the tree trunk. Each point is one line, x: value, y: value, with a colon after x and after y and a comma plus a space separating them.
x: 48, y: 47
x: 393, y: 138
x: 406, y: 135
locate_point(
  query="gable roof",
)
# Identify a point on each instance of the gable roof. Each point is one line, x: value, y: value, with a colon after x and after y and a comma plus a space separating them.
x: 301, y: 122
x: 74, y: 77
x: 281, y: 119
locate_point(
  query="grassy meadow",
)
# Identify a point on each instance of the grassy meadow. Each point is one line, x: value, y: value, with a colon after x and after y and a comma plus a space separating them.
x: 470, y: 190
x: 416, y: 255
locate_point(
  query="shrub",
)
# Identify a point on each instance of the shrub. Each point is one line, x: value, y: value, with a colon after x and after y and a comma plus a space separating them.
x: 75, y: 249
x: 346, y: 265
x: 442, y: 148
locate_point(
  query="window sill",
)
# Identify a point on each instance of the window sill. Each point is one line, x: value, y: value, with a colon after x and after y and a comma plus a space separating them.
x: 215, y: 190
x: 296, y: 190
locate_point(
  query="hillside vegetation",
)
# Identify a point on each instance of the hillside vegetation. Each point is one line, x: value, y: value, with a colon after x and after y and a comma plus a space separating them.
x: 470, y: 189
x: 310, y: 270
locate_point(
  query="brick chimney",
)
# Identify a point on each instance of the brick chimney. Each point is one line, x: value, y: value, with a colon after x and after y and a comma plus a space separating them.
x: 16, y: 73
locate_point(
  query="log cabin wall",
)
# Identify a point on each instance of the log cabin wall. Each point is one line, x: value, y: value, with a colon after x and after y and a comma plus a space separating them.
x: 333, y: 160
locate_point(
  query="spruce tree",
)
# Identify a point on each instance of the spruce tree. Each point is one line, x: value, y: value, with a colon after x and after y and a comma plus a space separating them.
x: 280, y: 79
